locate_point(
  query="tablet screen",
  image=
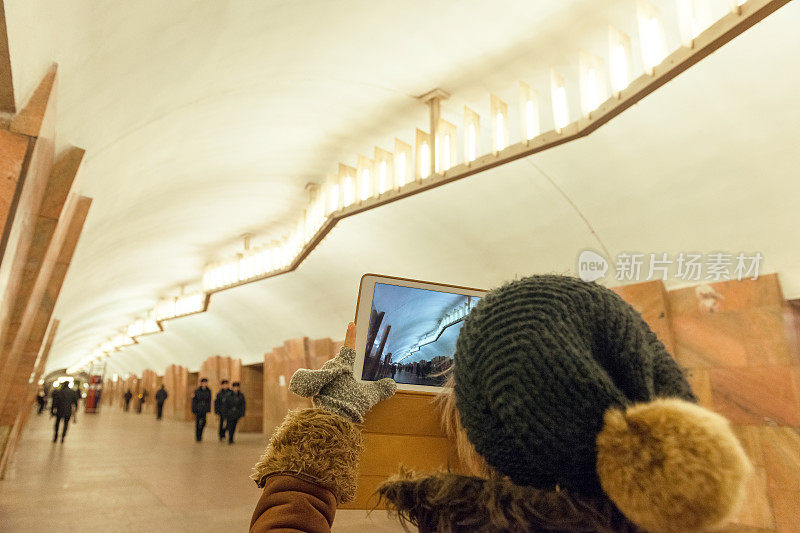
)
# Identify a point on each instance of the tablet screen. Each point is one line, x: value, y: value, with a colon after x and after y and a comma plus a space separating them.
x: 412, y: 334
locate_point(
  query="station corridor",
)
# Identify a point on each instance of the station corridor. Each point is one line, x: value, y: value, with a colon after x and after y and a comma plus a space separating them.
x: 119, y: 471
x: 476, y: 263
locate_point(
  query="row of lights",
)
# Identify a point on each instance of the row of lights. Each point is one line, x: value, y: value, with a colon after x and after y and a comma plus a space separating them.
x: 180, y: 306
x: 251, y: 264
x: 166, y: 309
x: 387, y: 170
x: 392, y: 170
x: 455, y: 315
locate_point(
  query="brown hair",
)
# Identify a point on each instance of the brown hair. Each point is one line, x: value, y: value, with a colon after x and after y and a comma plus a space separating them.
x: 486, y: 500
x: 471, y: 460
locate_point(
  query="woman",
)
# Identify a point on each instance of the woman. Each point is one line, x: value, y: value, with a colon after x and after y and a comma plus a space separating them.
x: 568, y: 411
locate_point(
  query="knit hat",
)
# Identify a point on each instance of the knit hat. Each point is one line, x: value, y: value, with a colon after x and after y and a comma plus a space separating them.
x: 560, y: 383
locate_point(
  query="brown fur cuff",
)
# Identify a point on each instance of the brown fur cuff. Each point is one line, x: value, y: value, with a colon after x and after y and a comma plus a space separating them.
x: 316, y: 445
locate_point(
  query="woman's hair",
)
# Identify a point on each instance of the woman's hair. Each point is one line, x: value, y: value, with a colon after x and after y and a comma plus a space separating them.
x: 470, y: 459
x: 536, y: 509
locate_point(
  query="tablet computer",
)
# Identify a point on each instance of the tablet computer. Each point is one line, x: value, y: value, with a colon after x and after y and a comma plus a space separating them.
x: 407, y: 329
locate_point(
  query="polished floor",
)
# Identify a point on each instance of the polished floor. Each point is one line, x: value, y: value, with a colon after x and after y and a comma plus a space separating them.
x: 130, y: 472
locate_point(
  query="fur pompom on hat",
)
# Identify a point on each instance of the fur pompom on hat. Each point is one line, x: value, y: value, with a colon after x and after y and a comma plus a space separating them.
x: 559, y: 383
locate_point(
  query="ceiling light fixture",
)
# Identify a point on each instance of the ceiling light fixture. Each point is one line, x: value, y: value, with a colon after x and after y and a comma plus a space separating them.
x: 383, y: 162
x: 650, y: 35
x: 594, y: 90
x: 694, y: 16
x: 529, y: 111
x: 423, y: 150
x: 558, y: 97
x: 619, y: 53
x: 499, y: 110
x: 472, y: 123
x: 445, y: 145
x: 347, y: 183
x: 401, y: 173
x: 180, y: 306
x: 365, y: 186
x: 403, y: 167
x: 144, y: 326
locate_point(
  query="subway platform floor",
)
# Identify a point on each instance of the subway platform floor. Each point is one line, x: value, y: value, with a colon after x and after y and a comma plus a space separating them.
x: 122, y: 472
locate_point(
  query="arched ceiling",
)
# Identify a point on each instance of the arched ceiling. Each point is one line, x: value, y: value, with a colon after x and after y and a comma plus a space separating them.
x: 411, y: 315
x: 204, y: 120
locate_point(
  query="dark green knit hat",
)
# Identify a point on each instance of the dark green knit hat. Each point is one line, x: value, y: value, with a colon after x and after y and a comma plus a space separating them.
x: 538, y: 363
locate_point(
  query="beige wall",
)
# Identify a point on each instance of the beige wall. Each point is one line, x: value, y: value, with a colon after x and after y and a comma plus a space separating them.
x: 252, y: 386
x: 743, y: 362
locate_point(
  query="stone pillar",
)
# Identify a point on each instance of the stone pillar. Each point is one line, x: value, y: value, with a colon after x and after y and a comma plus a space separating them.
x: 736, y: 342
x: 279, y: 365
x: 175, y: 378
x: 192, y: 382
x: 149, y: 386
x: 252, y: 386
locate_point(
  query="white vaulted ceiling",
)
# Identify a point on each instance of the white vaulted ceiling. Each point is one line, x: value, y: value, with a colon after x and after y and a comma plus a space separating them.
x: 204, y: 120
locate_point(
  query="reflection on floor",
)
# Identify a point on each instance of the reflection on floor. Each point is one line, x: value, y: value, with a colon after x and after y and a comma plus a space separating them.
x: 126, y: 472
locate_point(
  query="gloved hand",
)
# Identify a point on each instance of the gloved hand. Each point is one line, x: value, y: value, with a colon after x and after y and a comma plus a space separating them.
x: 334, y: 389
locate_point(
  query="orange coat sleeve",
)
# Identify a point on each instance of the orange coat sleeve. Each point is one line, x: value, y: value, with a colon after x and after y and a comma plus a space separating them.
x: 292, y: 504
x: 310, y: 465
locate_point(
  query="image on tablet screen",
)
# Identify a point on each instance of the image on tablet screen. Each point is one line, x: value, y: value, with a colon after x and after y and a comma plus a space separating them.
x: 412, y: 334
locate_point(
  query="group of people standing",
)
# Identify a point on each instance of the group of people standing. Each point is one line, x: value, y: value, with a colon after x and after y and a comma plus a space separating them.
x: 161, y: 397
x: 229, y: 405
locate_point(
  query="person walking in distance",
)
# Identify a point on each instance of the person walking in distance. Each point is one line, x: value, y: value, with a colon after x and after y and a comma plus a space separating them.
x: 63, y: 402
x: 142, y: 400
x: 233, y: 409
x: 41, y: 400
x: 127, y: 398
x: 201, y: 406
x: 219, y: 407
x: 161, y: 397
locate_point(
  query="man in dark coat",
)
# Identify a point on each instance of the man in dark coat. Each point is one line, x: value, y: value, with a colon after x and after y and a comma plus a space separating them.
x: 219, y: 410
x: 41, y: 400
x: 233, y: 409
x: 161, y: 397
x: 127, y: 397
x: 64, y: 399
x: 201, y: 405
x: 142, y: 400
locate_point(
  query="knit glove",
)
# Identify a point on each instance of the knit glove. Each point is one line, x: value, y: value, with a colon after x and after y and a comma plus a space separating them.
x: 334, y: 389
